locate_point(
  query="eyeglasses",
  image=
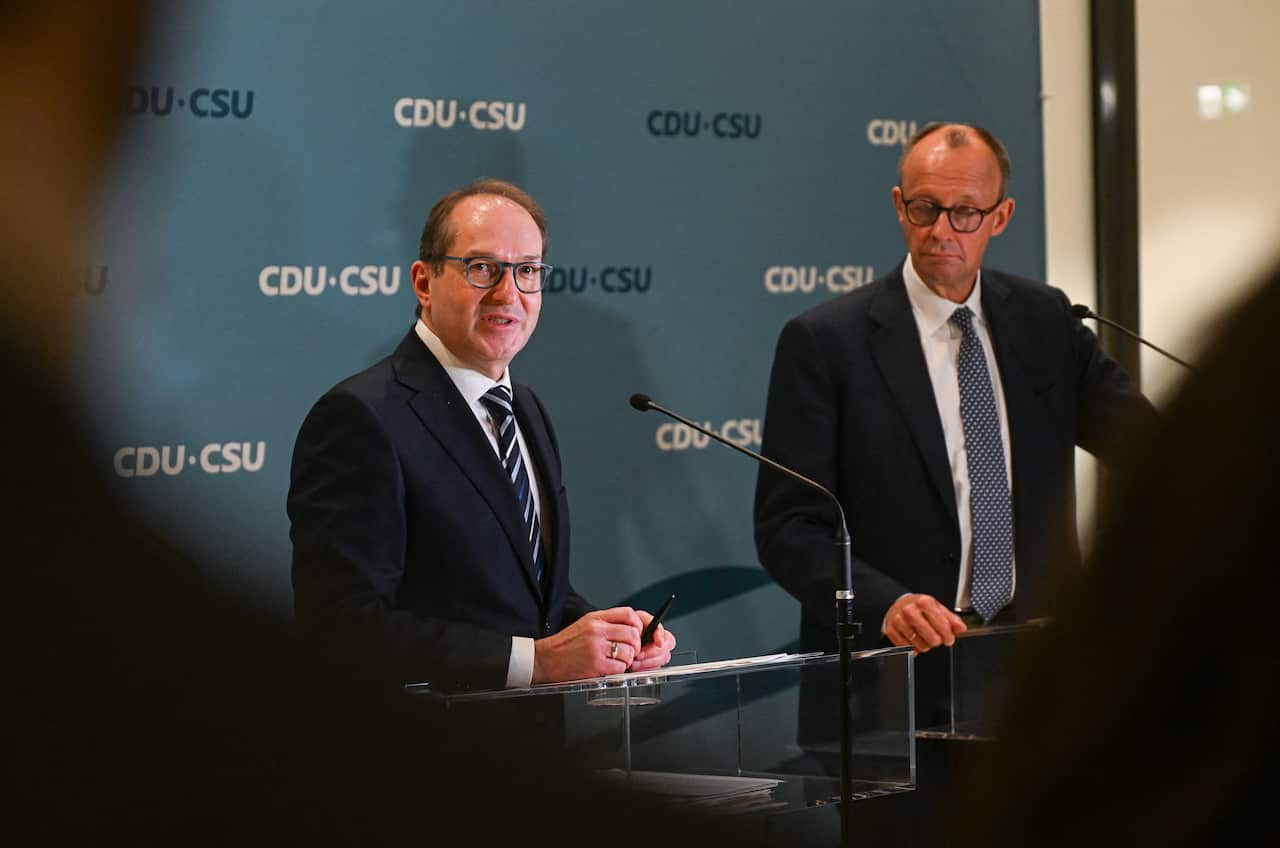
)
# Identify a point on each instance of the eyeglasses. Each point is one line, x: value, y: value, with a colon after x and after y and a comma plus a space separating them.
x: 964, y: 219
x: 485, y: 272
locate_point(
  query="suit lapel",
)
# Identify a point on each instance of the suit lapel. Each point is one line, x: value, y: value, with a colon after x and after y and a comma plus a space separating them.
x: 446, y: 414
x: 1012, y: 337
x: 895, y: 345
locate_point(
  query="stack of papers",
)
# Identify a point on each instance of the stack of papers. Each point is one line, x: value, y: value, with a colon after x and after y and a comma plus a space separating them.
x: 698, y: 668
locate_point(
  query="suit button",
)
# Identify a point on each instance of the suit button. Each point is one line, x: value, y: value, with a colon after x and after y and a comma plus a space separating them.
x: 546, y: 627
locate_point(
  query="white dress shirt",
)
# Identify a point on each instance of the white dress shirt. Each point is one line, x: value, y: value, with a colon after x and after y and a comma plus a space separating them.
x: 940, y: 340
x: 473, y: 385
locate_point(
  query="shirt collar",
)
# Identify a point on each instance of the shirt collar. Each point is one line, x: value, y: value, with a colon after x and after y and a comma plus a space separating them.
x: 470, y: 382
x: 933, y: 311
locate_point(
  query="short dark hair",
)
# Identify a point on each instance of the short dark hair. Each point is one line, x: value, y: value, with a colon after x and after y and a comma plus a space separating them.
x: 958, y: 136
x: 438, y: 232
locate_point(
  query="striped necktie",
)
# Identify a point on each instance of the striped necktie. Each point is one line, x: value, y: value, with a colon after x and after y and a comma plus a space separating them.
x: 992, y: 584
x: 498, y: 401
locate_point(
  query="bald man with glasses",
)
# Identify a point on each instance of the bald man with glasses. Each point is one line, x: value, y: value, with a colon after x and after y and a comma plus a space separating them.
x: 942, y: 404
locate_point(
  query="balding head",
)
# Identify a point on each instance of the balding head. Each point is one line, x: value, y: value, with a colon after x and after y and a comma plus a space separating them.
x: 950, y: 201
x: 959, y: 135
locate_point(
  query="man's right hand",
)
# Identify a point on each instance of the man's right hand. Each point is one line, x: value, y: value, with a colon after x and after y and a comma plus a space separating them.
x: 923, y: 622
x: 585, y: 648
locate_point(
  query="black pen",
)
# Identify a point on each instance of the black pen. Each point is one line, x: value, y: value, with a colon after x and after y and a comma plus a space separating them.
x: 647, y: 636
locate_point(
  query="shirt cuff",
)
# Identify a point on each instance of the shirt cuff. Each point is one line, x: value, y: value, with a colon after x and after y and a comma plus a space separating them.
x: 520, y: 668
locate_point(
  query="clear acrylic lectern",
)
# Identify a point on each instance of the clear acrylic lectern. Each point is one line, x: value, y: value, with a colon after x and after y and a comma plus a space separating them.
x: 978, y: 674
x: 731, y: 737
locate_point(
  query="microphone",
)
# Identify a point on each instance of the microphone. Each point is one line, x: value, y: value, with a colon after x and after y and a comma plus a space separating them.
x: 644, y: 403
x: 846, y: 629
x: 1081, y: 311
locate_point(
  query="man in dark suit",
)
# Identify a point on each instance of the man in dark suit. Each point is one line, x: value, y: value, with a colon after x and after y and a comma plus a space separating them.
x: 429, y: 522
x: 146, y: 706
x: 915, y: 415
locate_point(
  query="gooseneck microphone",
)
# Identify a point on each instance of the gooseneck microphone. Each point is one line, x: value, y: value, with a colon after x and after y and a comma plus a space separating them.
x: 844, y: 579
x: 644, y: 403
x: 1081, y: 311
x: 846, y: 629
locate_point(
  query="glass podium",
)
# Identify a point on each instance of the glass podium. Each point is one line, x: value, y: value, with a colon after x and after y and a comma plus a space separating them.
x: 730, y: 737
x: 958, y: 701
x: 977, y: 673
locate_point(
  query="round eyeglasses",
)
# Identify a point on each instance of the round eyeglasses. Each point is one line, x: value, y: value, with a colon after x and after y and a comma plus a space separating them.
x: 485, y: 272
x: 964, y: 219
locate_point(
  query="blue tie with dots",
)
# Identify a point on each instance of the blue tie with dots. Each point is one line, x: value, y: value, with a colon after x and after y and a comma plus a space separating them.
x: 498, y: 401
x: 992, y: 585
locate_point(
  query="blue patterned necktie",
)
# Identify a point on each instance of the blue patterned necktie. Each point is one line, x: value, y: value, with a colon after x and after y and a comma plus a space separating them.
x: 992, y: 585
x: 498, y: 401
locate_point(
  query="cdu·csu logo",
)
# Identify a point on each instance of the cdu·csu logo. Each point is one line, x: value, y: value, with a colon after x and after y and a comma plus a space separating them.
x: 172, y: 460
x: 806, y: 279
x: 315, y: 280
x: 610, y: 279
x: 722, y: 125
x: 885, y: 132
x: 478, y: 114
x: 674, y: 436
x: 199, y: 102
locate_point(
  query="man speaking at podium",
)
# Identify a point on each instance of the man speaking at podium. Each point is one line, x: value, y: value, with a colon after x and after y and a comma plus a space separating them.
x: 430, y: 525
x: 942, y: 404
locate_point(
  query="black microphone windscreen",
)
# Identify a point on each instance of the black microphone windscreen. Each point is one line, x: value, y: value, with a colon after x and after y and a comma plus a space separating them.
x: 641, y: 402
x: 1081, y: 311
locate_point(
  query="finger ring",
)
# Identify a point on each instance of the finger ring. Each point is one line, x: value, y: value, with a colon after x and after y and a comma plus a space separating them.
x: 912, y: 637
x: 613, y: 650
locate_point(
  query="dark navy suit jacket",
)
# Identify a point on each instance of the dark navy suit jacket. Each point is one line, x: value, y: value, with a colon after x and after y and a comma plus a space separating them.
x: 409, y: 551
x: 851, y: 406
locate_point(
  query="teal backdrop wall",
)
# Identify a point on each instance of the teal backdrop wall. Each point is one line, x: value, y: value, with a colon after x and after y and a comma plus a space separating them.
x: 709, y: 169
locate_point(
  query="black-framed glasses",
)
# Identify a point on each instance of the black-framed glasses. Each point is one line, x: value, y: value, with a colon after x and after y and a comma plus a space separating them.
x: 964, y: 219
x: 485, y: 272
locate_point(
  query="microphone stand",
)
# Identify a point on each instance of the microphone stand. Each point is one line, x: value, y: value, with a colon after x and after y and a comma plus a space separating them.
x: 846, y: 628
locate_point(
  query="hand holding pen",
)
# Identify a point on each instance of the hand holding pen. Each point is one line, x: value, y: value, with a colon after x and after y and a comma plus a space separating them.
x: 656, y: 642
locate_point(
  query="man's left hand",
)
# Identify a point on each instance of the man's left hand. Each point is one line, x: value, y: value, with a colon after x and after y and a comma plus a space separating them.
x: 658, y: 652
